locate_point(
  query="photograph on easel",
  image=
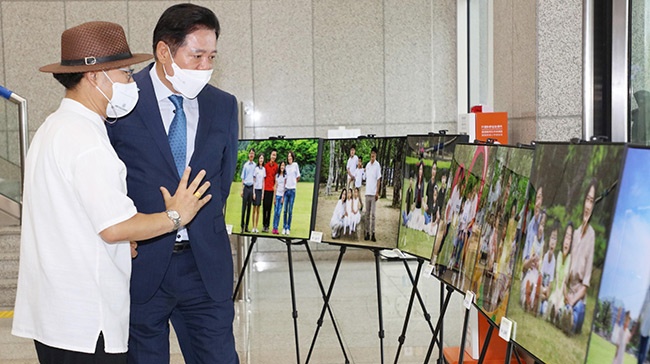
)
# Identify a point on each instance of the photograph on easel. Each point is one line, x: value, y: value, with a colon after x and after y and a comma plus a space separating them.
x: 562, y: 249
x: 621, y: 327
x: 458, y: 231
x: 500, y: 219
x: 273, y: 189
x: 426, y: 169
x: 359, y: 192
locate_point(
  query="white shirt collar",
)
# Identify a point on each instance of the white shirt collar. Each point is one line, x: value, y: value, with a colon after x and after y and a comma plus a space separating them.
x: 162, y: 92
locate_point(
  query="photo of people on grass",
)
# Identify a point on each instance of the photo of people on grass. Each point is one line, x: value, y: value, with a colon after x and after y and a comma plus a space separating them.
x: 458, y: 231
x: 273, y: 189
x: 499, y: 217
x: 359, y: 191
x: 426, y: 170
x: 621, y: 328
x: 562, y: 250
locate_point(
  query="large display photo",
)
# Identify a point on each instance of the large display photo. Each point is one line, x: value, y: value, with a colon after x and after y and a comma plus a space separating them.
x: 426, y: 171
x: 273, y: 190
x: 500, y: 217
x: 562, y: 249
x: 458, y: 231
x: 621, y: 325
x: 359, y: 191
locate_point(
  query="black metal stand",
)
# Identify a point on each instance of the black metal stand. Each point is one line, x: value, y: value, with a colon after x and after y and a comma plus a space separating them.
x: 414, y: 292
x: 441, y: 359
x: 243, y: 269
x: 509, y: 352
x: 379, y: 308
x: 443, y: 309
x: 488, y: 336
x: 293, y: 299
x: 463, y: 337
x: 326, y: 299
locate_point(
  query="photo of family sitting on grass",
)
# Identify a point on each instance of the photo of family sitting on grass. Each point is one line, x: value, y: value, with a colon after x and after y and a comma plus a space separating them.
x: 621, y: 329
x: 359, y: 191
x: 273, y: 189
x: 562, y: 250
x: 426, y: 169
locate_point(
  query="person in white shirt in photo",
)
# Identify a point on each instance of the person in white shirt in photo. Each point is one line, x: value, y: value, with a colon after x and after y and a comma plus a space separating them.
x: 351, y: 167
x: 293, y: 176
x: 373, y: 186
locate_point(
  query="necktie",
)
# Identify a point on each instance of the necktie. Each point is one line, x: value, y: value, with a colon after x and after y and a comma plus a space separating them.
x: 178, y: 134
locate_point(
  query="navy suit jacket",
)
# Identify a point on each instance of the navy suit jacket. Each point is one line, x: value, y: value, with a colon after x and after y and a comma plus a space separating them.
x: 141, y: 142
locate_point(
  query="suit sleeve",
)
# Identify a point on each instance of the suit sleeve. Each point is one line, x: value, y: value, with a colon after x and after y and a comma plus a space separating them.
x: 230, y: 156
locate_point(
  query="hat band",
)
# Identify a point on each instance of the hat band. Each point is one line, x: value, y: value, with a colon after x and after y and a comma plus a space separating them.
x: 89, y: 61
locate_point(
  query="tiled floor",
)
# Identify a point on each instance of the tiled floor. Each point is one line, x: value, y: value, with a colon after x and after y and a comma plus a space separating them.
x: 264, y: 326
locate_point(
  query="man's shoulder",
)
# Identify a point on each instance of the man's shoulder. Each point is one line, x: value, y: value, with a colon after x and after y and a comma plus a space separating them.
x: 218, y: 93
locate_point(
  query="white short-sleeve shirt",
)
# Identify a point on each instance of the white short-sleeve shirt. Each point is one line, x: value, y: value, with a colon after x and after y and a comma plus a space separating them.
x: 293, y: 173
x: 373, y: 174
x: 258, y: 176
x: 352, y: 165
x: 71, y: 283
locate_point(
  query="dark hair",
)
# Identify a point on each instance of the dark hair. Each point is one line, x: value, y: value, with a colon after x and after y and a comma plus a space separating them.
x: 251, y: 150
x: 346, y: 193
x: 292, y: 154
x: 569, y: 225
x: 373, y: 150
x: 274, y: 150
x: 69, y: 80
x: 258, y: 159
x: 179, y: 20
x: 283, y: 173
x: 353, y: 147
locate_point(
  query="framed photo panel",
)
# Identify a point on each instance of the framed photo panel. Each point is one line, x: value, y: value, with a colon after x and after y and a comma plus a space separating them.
x: 621, y: 324
x: 359, y: 191
x: 274, y: 187
x: 426, y: 170
x: 562, y: 249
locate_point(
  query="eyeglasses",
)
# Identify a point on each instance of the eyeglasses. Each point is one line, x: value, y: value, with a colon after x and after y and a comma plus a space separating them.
x: 128, y: 71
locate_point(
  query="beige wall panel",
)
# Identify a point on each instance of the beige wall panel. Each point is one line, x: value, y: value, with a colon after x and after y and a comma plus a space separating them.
x: 349, y: 63
x: 283, y: 65
x: 77, y: 12
x: 28, y: 47
x: 524, y: 70
x: 559, y: 27
x: 445, y: 98
x: 559, y: 128
x: 503, y: 56
x: 408, y: 62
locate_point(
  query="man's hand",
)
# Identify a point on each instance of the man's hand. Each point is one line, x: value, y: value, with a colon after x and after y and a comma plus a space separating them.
x: 188, y: 199
x: 134, y: 249
x: 376, y: 196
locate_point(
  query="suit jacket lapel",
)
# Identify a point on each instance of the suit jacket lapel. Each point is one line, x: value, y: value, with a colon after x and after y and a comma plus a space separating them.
x: 207, y: 113
x: 149, y: 113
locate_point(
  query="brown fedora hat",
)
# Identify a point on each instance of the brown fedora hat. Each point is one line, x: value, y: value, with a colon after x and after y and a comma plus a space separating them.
x: 94, y: 46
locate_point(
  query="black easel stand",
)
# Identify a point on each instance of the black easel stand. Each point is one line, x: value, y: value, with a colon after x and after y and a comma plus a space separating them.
x: 441, y: 360
x: 488, y: 336
x: 443, y: 309
x: 326, y: 299
x: 293, y: 299
x: 463, y: 337
x: 379, y: 308
x: 243, y: 269
x: 414, y: 292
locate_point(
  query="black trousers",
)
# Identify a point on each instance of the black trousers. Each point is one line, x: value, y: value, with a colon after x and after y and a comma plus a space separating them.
x: 49, y: 355
x: 267, y: 208
x: 247, y: 201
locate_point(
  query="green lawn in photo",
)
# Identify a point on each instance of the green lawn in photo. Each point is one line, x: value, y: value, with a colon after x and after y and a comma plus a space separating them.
x: 545, y: 340
x: 413, y: 241
x: 602, y: 351
x: 300, y: 222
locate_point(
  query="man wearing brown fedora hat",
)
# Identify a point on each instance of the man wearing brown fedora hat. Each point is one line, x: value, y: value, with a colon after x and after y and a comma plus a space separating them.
x: 188, y: 276
x: 75, y: 259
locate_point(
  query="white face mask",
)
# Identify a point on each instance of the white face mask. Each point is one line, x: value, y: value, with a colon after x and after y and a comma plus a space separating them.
x: 188, y: 82
x: 125, y: 97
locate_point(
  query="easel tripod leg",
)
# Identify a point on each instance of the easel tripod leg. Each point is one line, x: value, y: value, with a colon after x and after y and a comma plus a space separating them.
x: 402, y: 336
x: 293, y: 300
x: 243, y: 269
x: 380, y: 311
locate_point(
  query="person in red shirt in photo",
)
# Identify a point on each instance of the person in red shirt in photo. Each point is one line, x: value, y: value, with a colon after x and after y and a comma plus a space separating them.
x: 269, y: 182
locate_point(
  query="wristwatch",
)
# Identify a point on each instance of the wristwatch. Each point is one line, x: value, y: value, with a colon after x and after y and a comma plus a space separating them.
x: 175, y: 217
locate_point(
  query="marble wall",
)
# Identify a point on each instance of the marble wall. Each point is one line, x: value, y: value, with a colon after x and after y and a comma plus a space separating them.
x: 386, y: 67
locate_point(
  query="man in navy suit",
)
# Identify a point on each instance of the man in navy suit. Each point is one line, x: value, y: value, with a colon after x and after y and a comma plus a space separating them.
x: 187, y: 275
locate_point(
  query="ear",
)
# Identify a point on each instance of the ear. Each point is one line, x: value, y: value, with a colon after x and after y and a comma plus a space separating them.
x: 162, y: 52
x: 91, y: 77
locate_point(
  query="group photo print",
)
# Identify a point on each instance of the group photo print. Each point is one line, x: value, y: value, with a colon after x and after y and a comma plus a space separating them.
x: 272, y: 192
x: 359, y: 191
